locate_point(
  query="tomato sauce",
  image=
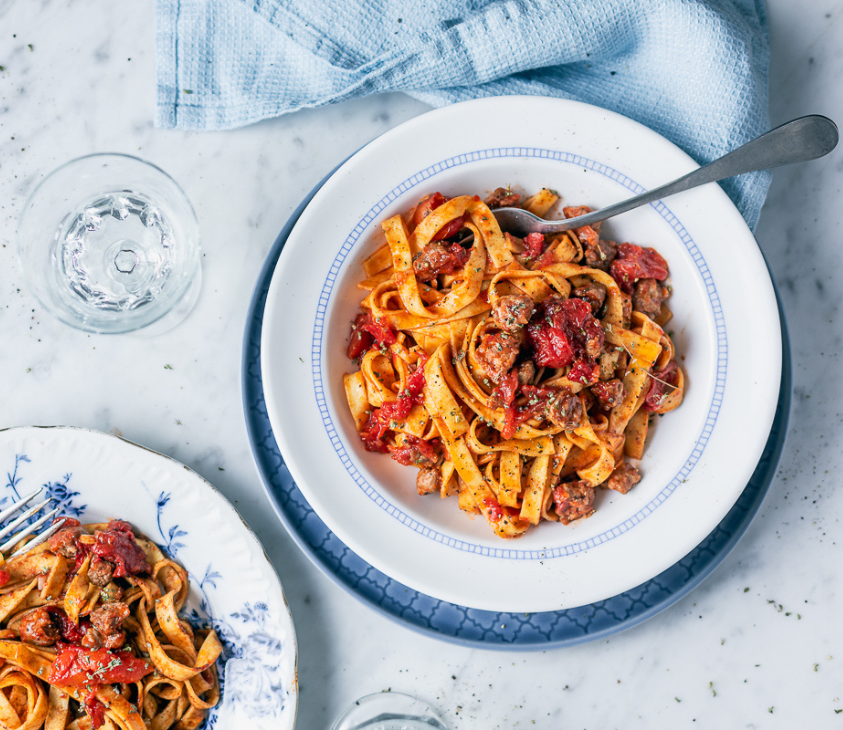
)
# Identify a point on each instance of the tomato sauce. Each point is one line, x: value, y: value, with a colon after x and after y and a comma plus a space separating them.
x: 427, y: 206
x: 117, y: 545
x: 494, y: 508
x: 561, y: 330
x: 663, y: 380
x: 416, y: 451
x: 504, y: 394
x: 378, y: 424
x: 87, y: 669
x: 634, y: 263
x: 69, y: 631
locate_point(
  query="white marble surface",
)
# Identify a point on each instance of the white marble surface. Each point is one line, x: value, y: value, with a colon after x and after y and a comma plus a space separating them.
x: 758, y: 645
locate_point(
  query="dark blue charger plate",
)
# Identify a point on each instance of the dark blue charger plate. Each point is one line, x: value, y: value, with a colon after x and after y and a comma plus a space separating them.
x: 459, y: 624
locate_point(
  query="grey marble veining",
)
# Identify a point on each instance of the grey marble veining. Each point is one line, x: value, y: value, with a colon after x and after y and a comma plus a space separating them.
x: 758, y: 645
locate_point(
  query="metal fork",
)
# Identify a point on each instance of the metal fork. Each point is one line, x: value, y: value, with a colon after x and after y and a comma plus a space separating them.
x: 800, y: 140
x: 28, y: 529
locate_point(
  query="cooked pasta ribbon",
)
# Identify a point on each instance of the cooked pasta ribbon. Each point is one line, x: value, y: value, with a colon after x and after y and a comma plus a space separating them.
x: 520, y: 375
x: 91, y: 636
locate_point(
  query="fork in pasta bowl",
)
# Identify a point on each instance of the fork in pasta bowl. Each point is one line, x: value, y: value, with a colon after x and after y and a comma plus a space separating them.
x: 526, y: 377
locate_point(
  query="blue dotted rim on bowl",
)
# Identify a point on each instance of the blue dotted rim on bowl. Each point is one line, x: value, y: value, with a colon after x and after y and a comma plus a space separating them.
x: 459, y: 624
x: 363, y: 231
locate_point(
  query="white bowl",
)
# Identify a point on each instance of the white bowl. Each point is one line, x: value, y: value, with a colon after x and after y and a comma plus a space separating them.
x: 698, y: 458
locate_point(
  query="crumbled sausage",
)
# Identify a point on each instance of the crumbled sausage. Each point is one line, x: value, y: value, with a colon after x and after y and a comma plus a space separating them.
x: 609, y: 393
x: 425, y: 455
x: 574, y: 211
x: 100, y: 571
x: 428, y: 481
x: 526, y: 372
x: 595, y: 339
x: 502, y: 198
x: 497, y: 354
x: 39, y: 628
x: 573, y: 500
x: 414, y: 451
x: 513, y: 311
x: 427, y: 264
x: 107, y: 618
x: 63, y: 542
x: 564, y: 410
x: 623, y: 478
x: 435, y: 259
x: 648, y: 296
x: 594, y: 294
x: 115, y: 640
x: 92, y: 639
x: 601, y: 255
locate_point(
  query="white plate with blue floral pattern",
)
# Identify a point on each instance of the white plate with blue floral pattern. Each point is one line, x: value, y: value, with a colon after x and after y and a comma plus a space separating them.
x: 233, y: 587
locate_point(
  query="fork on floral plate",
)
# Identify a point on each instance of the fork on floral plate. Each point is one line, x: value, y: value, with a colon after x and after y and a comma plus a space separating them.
x: 18, y: 529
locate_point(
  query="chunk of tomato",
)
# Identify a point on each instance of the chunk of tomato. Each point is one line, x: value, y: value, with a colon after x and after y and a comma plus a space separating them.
x: 634, y: 263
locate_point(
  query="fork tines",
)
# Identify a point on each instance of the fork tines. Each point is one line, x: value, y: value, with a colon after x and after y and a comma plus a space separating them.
x: 27, y: 529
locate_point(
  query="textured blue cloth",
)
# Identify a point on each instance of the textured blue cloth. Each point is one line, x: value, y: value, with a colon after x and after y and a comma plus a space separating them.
x: 693, y: 70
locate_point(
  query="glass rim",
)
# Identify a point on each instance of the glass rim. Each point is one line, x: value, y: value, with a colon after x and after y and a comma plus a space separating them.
x: 61, y: 313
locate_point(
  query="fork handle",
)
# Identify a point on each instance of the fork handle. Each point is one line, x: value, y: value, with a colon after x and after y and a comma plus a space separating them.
x: 800, y: 140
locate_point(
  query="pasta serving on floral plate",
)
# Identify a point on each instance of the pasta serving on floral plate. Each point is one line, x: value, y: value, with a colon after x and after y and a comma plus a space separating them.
x: 91, y: 636
x: 520, y: 375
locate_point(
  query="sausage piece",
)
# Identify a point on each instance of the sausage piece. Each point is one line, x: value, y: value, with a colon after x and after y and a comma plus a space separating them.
x: 64, y: 541
x: 601, y: 255
x: 497, y: 354
x: 435, y: 259
x: 502, y: 198
x: 609, y: 393
x: 513, y: 311
x: 594, y: 294
x: 526, y: 372
x: 39, y: 628
x: 573, y: 500
x: 100, y: 571
x: 648, y: 296
x: 623, y: 478
x: 428, y: 481
x: 107, y: 618
x: 92, y: 639
x: 564, y: 410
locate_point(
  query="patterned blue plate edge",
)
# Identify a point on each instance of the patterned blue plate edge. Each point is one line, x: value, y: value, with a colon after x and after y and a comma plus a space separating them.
x: 250, y: 394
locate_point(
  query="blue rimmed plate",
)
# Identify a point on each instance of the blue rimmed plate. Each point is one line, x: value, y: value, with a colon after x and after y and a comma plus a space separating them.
x: 96, y: 477
x: 698, y: 459
x: 452, y: 622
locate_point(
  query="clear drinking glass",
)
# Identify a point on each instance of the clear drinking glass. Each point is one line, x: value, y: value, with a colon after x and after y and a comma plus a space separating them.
x: 109, y: 243
x: 389, y: 711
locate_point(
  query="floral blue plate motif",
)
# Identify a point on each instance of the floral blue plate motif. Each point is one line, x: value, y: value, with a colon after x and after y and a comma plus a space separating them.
x: 233, y: 587
x: 452, y: 622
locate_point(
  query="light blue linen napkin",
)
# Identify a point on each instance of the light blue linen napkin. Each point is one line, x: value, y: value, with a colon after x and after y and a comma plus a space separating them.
x: 693, y: 70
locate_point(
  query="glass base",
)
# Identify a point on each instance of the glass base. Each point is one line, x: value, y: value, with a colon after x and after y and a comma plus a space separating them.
x: 389, y: 711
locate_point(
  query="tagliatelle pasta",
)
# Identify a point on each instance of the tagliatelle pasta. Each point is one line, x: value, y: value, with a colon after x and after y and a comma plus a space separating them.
x: 91, y: 636
x: 519, y: 375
